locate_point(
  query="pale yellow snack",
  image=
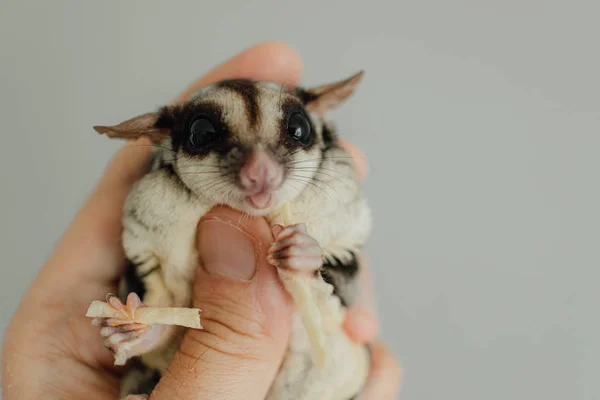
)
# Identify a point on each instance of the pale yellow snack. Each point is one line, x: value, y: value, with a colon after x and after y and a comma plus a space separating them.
x: 187, y: 317
x: 300, y: 288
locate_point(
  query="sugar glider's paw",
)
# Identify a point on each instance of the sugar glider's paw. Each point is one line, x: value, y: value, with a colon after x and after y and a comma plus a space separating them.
x: 295, y: 249
x: 123, y: 337
x: 137, y: 397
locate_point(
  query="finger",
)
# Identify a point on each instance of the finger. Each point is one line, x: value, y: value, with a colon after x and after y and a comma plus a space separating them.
x: 361, y: 322
x: 246, y: 315
x: 384, y: 376
x: 100, y: 218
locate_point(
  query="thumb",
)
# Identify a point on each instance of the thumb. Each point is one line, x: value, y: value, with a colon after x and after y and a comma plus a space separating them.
x: 246, y: 315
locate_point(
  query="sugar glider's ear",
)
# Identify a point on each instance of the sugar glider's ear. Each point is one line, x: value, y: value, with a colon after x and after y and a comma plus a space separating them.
x: 142, y: 125
x: 323, y: 98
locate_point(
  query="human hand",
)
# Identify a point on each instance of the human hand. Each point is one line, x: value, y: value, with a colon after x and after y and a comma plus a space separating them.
x: 50, y: 349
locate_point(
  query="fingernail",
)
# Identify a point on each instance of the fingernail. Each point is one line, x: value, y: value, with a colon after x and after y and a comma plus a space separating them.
x: 226, y: 250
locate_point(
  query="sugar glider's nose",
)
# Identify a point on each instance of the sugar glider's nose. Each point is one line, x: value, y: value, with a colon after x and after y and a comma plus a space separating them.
x: 261, y: 172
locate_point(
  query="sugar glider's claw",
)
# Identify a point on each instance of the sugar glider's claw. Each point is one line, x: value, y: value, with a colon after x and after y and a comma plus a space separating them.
x: 295, y: 249
x: 127, y: 309
x: 115, y: 302
x: 133, y: 303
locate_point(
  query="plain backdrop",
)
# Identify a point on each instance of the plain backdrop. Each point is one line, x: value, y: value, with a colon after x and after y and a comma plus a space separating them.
x: 480, y: 120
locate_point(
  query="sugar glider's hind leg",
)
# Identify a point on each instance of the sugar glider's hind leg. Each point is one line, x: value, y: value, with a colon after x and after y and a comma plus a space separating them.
x: 139, y: 382
x: 342, y: 273
x: 142, y: 285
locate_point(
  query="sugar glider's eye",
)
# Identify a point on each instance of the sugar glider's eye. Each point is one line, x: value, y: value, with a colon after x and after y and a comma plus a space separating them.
x: 202, y: 131
x: 299, y: 128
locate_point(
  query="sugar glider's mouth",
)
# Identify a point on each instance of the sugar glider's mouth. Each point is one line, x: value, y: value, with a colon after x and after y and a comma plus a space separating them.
x: 260, y: 200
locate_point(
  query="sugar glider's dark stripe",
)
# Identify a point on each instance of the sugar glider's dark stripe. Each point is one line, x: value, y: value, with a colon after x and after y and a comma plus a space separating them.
x: 134, y: 215
x: 329, y: 135
x: 142, y: 379
x: 342, y: 276
x: 133, y: 282
x: 247, y: 90
x: 149, y: 382
x: 170, y: 170
x: 151, y: 271
x: 305, y: 96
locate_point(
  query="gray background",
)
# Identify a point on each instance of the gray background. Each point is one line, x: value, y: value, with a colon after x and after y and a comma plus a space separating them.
x: 480, y: 120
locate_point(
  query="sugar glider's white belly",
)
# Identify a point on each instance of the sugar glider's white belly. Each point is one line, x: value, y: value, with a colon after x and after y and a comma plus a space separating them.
x: 342, y: 377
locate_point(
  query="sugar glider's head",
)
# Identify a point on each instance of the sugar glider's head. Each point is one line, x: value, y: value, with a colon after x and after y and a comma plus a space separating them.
x: 247, y: 144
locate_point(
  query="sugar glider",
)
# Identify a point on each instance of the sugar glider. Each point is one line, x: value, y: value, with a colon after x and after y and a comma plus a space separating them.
x: 253, y: 146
